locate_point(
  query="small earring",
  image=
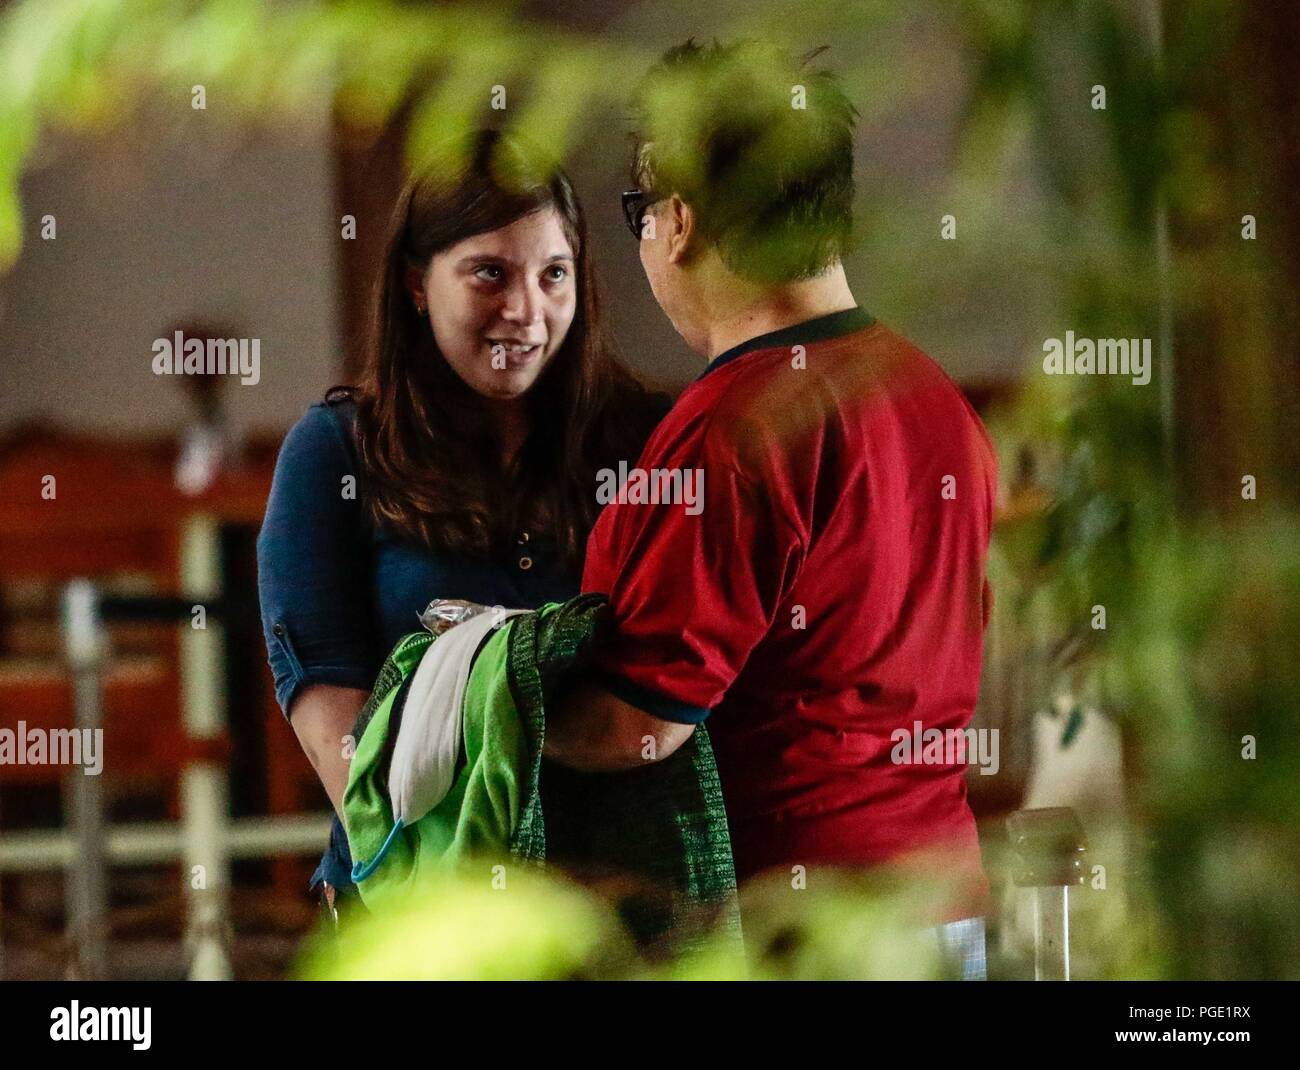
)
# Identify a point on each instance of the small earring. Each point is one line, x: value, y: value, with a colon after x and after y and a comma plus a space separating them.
x: 419, y: 308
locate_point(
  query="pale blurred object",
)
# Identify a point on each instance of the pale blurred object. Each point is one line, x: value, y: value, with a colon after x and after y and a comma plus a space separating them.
x: 205, y: 452
x: 208, y: 446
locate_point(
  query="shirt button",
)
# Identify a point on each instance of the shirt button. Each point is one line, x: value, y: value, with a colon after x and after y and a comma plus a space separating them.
x: 277, y: 629
x: 525, y: 563
x: 523, y: 537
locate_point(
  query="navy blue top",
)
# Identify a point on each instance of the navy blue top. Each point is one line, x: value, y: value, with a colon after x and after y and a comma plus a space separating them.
x: 337, y: 593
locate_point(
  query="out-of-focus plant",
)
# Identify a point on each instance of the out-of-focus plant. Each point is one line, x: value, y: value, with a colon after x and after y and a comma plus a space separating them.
x: 1198, y: 578
x: 841, y: 927
x: 1210, y: 660
x: 530, y: 924
x: 516, y: 925
x: 1097, y: 442
x: 94, y: 64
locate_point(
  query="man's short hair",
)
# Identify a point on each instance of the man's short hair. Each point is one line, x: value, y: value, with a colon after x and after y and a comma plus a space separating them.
x: 760, y: 145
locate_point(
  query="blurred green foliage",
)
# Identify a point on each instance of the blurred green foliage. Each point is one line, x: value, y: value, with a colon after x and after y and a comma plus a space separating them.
x: 480, y: 928
x: 90, y: 64
x: 481, y: 924
x: 1200, y: 582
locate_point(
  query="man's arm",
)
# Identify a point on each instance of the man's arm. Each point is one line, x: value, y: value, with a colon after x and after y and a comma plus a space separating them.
x: 596, y: 732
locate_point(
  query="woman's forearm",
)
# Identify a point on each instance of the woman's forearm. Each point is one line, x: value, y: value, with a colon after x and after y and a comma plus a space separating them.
x: 322, y: 717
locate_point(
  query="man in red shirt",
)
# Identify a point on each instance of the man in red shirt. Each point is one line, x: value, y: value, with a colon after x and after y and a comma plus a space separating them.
x: 817, y: 585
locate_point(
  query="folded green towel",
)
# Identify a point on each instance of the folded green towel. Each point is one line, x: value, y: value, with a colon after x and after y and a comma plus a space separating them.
x: 657, y: 834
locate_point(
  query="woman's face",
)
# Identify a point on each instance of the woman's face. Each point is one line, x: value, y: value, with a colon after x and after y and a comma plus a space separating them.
x: 501, y: 303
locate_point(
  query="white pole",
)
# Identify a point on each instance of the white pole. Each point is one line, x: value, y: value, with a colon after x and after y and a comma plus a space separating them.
x: 205, y: 805
x: 86, y: 883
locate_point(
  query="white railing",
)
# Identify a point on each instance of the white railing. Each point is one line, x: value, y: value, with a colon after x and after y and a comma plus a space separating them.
x: 206, y: 839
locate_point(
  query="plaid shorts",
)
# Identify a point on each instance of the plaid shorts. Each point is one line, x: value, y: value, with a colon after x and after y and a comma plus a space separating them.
x: 962, y: 942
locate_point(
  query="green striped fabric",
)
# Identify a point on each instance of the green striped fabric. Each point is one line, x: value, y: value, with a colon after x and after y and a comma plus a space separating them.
x: 655, y: 838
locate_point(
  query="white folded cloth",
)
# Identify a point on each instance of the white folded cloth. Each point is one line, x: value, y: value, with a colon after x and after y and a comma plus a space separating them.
x: 423, y: 766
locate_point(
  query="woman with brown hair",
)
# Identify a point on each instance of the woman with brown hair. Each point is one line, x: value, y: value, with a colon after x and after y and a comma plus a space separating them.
x: 464, y: 463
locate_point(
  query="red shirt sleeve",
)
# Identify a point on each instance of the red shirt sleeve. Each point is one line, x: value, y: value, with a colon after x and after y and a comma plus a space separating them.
x: 692, y: 588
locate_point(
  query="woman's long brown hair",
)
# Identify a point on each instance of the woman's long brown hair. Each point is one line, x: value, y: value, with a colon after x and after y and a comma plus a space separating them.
x: 430, y: 462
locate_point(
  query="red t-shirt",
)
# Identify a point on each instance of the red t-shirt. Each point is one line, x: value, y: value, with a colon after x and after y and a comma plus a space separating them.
x: 825, y: 589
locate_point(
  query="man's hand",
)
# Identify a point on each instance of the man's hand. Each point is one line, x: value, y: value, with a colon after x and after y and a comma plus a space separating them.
x: 596, y: 732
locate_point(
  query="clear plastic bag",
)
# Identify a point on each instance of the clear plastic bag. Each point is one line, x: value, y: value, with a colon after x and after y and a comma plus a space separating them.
x: 444, y: 613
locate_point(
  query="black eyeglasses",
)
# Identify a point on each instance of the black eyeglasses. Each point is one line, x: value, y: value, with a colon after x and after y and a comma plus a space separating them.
x: 635, y: 203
